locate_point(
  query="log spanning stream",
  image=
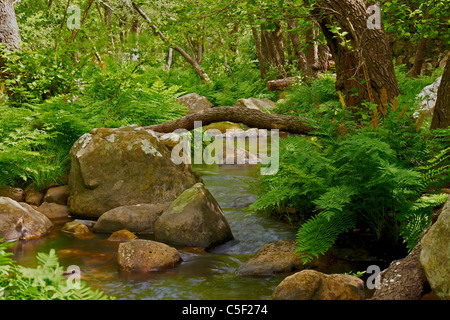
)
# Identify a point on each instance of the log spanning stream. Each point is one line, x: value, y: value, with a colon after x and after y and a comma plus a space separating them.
x: 201, y: 275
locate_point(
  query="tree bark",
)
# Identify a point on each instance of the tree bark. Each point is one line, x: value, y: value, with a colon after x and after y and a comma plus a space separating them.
x: 250, y: 117
x: 365, y: 69
x: 272, y: 49
x: 192, y: 61
x: 9, y: 29
x: 404, y: 279
x: 312, y: 55
x: 416, y: 70
x: 441, y: 115
x: 293, y: 36
x: 259, y: 53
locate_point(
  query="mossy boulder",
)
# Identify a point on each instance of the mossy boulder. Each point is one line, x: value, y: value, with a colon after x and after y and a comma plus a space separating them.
x: 193, y: 219
x: 126, y: 166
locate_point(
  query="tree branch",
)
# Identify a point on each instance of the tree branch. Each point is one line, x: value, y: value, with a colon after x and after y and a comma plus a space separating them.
x: 250, y: 117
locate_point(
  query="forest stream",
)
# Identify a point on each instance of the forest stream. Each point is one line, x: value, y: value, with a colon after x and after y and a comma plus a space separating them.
x: 201, y: 275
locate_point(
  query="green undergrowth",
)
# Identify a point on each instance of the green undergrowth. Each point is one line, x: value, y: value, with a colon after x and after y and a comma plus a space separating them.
x: 45, y: 282
x: 384, y: 174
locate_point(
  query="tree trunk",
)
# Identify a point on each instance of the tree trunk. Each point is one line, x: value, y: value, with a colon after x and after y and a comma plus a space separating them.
x: 259, y: 53
x: 312, y: 55
x: 272, y: 49
x: 441, y: 115
x: 404, y: 279
x: 9, y: 30
x: 250, y: 117
x: 420, y: 57
x: 293, y: 36
x: 365, y: 69
x: 192, y: 61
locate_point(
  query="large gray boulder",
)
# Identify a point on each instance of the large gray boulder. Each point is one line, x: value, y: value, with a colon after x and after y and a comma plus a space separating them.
x: 139, y: 218
x: 21, y: 221
x: 435, y: 254
x: 194, y: 219
x: 112, y: 168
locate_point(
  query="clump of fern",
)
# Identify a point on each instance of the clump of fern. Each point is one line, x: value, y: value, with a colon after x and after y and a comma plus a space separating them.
x: 385, y: 176
x: 45, y: 282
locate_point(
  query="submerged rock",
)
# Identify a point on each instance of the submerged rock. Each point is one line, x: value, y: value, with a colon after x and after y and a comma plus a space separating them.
x: 435, y: 254
x: 194, y: 219
x: 146, y: 255
x: 139, y: 218
x: 76, y: 227
x: 21, y: 221
x: 112, y: 168
x: 122, y: 235
x: 314, y: 285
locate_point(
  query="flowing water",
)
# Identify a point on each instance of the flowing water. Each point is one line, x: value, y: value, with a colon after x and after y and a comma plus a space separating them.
x: 201, y: 275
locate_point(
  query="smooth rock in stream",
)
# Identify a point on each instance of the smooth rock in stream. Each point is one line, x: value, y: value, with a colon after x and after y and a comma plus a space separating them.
x: 58, y: 195
x: 54, y: 210
x: 314, y: 285
x: 139, y: 218
x: 146, y: 256
x: 194, y: 219
x: 112, y: 168
x: 21, y: 221
x: 275, y: 257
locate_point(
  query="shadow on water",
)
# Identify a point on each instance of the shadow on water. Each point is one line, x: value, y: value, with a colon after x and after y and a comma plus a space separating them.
x: 201, y: 275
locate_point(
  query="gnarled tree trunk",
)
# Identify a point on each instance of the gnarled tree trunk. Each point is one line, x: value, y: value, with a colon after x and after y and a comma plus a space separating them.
x: 365, y: 68
x: 250, y: 117
x: 9, y: 30
x: 441, y: 115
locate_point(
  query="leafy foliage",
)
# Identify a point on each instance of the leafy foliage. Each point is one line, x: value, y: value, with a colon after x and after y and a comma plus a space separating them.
x: 45, y: 282
x: 385, y: 175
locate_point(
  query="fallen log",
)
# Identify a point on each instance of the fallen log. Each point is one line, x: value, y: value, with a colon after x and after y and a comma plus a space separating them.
x: 281, y: 84
x: 250, y: 117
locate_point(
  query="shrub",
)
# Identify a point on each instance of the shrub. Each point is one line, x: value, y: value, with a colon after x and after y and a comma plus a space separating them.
x: 385, y: 176
x: 45, y: 282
